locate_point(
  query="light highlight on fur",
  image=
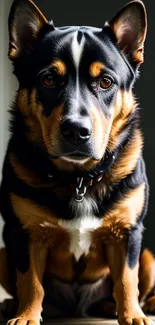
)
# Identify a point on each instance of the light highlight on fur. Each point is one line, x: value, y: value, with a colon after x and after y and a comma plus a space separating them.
x: 81, y: 229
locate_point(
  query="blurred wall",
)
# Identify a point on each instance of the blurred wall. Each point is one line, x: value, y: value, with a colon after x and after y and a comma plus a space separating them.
x: 8, y: 83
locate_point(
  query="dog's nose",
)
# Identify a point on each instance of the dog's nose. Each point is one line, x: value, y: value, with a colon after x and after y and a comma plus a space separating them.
x: 76, y: 132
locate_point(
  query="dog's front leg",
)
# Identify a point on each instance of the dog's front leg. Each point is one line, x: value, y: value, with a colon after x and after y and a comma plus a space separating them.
x: 29, y: 288
x: 125, y: 278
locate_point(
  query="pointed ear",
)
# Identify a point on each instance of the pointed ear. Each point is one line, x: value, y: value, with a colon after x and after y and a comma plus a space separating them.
x: 129, y: 27
x: 25, y: 22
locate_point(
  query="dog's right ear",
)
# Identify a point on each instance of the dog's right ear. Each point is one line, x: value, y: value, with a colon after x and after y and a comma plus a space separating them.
x: 25, y: 23
x: 129, y: 27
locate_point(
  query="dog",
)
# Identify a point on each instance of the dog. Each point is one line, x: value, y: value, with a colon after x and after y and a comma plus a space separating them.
x: 74, y: 190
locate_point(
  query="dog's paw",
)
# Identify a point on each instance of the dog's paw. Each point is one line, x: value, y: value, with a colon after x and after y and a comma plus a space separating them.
x: 21, y: 321
x: 136, y: 321
x: 149, y: 306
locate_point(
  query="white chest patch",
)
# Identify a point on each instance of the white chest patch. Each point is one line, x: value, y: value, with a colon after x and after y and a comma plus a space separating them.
x: 81, y: 229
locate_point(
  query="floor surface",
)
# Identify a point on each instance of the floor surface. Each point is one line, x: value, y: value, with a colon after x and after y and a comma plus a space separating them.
x: 74, y: 321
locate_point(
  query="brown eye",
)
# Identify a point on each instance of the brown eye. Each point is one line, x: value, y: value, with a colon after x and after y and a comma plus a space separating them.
x: 106, y: 82
x: 48, y: 81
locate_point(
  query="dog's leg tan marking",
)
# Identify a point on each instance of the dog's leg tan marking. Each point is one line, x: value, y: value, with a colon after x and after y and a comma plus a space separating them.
x: 29, y: 288
x: 114, y: 232
x: 125, y: 285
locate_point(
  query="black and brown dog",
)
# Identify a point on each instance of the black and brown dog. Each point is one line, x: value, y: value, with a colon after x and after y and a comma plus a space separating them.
x: 74, y: 190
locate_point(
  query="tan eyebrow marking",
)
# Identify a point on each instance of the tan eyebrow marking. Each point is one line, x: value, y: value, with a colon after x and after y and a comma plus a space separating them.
x: 96, y: 68
x: 60, y: 67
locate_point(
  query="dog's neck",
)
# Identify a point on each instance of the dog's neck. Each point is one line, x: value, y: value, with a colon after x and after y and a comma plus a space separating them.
x: 82, y: 180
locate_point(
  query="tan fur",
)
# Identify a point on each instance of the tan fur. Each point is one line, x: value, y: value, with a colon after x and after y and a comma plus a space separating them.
x: 115, y: 227
x: 127, y: 161
x: 121, y: 217
x: 44, y: 229
x: 43, y: 130
x: 30, y: 111
x: 49, y: 125
x: 101, y: 129
x: 146, y: 275
x: 95, y: 69
x: 61, y: 259
x: 125, y: 283
x: 114, y: 231
x: 125, y: 104
x: 96, y: 263
x: 29, y: 288
x: 59, y: 67
x: 31, y: 214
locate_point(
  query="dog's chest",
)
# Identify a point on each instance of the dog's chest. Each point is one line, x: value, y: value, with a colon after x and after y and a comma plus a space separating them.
x: 81, y: 227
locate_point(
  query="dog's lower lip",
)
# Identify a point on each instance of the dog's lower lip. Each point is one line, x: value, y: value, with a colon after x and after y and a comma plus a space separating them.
x: 77, y: 155
x: 73, y: 155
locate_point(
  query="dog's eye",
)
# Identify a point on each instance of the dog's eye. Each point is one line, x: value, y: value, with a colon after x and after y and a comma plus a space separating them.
x: 106, y: 82
x: 48, y: 81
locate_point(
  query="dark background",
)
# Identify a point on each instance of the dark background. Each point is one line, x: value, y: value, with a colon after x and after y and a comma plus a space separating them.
x: 95, y: 13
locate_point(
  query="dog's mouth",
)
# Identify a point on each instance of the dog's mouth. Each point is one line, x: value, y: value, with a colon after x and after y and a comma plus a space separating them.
x: 76, y: 156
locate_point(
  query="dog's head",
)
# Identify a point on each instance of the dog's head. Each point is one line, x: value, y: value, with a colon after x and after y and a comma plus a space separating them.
x: 75, y: 83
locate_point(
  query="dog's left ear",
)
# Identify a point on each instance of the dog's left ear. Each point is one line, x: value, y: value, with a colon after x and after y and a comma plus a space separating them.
x: 129, y: 27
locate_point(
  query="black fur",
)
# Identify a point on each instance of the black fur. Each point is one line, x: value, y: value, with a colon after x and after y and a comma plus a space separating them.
x: 134, y: 244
